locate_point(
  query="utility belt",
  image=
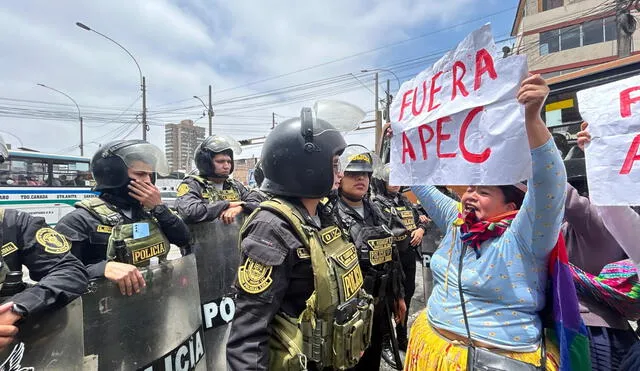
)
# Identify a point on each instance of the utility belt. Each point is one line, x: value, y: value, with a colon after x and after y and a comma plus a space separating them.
x: 126, y: 245
x: 295, y: 343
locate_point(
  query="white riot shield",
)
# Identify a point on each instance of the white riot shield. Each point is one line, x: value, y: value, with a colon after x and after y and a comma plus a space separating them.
x: 49, y: 341
x: 157, y: 329
x: 215, y: 245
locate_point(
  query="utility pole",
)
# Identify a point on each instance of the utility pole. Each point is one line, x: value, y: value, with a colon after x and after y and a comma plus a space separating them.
x: 387, y: 110
x: 144, y: 109
x: 377, y: 117
x: 210, y: 113
x: 273, y: 120
x: 626, y: 25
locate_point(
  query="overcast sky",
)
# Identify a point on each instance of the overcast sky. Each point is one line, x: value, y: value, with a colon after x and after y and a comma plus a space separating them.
x: 261, y: 57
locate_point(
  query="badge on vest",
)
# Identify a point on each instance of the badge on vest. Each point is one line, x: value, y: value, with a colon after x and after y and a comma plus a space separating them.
x: 330, y: 235
x: 352, y: 281
x: 52, y: 241
x: 104, y: 228
x: 229, y: 195
x: 254, y: 277
x: 408, y: 220
x: 347, y: 257
x: 182, y: 190
x: 146, y: 253
x: 9, y: 248
x: 140, y: 230
x: 303, y: 253
x: 381, y: 250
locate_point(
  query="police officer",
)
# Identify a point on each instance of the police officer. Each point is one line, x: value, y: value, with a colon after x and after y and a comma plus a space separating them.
x: 127, y: 225
x: 300, y: 304
x: 392, y: 202
x: 28, y: 240
x: 257, y: 195
x: 372, y: 233
x: 212, y: 194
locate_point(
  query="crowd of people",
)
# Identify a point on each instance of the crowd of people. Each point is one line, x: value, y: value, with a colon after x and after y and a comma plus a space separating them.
x: 527, y: 275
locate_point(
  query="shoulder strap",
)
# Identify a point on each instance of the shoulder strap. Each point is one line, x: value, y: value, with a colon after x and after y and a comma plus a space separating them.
x: 198, y: 178
x: 289, y: 214
x: 98, y: 208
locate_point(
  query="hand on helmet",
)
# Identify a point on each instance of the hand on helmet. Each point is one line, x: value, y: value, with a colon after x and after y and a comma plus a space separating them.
x: 127, y: 276
x: 146, y: 193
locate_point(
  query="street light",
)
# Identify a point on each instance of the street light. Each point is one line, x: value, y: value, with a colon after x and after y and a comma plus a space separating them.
x: 143, y: 83
x: 386, y: 70
x: 79, y: 115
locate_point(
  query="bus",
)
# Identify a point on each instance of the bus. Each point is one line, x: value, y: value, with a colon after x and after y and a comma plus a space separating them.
x: 45, y: 185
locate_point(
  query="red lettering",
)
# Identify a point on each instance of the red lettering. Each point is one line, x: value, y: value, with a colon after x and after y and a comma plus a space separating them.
x: 405, y: 104
x: 632, y: 156
x: 626, y: 101
x: 457, y: 80
x: 433, y: 91
x: 407, y: 148
x: 469, y: 156
x: 484, y: 63
x: 415, y: 111
x: 442, y: 137
x: 424, y: 142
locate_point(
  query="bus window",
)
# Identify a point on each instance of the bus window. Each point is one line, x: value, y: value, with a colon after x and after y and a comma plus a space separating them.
x: 24, y: 172
x: 71, y: 174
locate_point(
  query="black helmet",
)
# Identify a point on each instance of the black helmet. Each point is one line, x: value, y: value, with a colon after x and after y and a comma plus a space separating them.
x: 297, y: 157
x: 4, y: 151
x: 258, y: 174
x: 380, y: 179
x: 110, y: 163
x: 212, y: 146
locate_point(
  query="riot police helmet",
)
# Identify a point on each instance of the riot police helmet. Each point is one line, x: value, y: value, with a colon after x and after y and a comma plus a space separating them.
x: 209, y: 148
x: 298, y: 157
x: 4, y: 151
x: 357, y: 158
x: 110, y: 164
x: 258, y: 174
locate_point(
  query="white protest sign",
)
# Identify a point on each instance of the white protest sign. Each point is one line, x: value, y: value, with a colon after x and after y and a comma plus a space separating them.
x: 458, y: 122
x: 613, y: 156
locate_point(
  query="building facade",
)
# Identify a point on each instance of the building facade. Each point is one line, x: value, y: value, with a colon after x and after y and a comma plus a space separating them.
x: 181, y: 141
x: 562, y: 36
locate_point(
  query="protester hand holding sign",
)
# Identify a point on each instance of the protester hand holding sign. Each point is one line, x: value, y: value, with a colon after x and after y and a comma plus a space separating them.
x: 612, y: 111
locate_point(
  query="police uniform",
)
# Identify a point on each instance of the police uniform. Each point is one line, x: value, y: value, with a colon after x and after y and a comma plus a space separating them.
x: 300, y: 304
x: 400, y: 206
x: 256, y: 196
x: 199, y: 200
x: 115, y: 226
x: 28, y: 241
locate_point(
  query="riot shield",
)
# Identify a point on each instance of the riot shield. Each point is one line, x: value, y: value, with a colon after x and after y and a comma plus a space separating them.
x: 215, y: 245
x: 157, y: 329
x: 430, y: 243
x: 50, y: 341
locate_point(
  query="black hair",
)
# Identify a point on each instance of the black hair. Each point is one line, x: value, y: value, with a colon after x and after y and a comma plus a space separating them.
x: 512, y: 194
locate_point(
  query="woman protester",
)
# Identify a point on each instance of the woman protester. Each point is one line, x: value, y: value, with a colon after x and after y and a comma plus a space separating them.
x: 490, y: 270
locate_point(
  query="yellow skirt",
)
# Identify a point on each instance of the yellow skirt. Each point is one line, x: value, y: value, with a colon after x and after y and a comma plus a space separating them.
x: 428, y: 350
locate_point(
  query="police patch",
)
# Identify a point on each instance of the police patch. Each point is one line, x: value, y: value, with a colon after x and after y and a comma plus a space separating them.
x: 182, y: 190
x: 254, y: 277
x: 330, y: 235
x: 52, y: 241
x: 303, y: 253
x: 9, y: 248
x: 229, y: 195
x: 104, y: 228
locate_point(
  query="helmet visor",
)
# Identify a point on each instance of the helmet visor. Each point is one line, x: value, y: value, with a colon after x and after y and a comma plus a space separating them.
x: 382, y: 172
x: 219, y: 143
x: 144, y: 157
x: 4, y: 151
x: 341, y: 115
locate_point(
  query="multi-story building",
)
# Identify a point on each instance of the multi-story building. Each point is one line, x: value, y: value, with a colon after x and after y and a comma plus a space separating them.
x: 561, y: 36
x: 181, y: 141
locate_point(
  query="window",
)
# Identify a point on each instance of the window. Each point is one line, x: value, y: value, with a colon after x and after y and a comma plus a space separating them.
x: 24, y: 172
x: 610, y: 29
x: 588, y: 33
x: 592, y: 32
x: 551, y: 4
x: 71, y: 174
x: 549, y: 42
